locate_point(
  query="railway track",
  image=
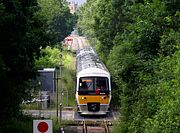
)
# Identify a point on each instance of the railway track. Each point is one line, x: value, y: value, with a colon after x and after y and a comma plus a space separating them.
x: 78, y: 43
x: 86, y: 126
x: 106, y: 126
x: 95, y: 127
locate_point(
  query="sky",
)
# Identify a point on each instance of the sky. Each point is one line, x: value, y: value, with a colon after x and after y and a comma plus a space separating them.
x: 77, y: 1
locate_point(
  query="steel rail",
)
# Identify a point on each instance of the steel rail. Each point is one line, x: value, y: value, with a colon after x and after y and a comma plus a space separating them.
x: 84, y: 126
x: 106, y: 126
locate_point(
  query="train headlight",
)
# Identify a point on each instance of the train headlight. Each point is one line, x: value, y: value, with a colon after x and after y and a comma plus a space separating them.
x: 104, y: 97
x: 83, y: 98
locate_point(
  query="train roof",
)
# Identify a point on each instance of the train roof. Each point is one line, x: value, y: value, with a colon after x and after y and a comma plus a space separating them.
x: 87, y: 60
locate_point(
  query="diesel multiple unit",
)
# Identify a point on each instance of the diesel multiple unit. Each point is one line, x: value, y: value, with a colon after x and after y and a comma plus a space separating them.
x: 93, y: 85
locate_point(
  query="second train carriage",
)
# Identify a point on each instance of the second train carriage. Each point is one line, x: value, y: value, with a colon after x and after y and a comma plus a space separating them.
x: 93, y: 88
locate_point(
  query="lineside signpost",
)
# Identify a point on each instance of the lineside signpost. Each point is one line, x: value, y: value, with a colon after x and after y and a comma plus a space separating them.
x: 42, y: 126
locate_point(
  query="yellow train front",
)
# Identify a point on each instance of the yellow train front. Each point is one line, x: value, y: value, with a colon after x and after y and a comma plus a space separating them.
x: 93, y: 88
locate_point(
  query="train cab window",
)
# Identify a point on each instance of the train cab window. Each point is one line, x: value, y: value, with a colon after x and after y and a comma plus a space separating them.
x: 90, y: 85
x: 101, y: 83
x: 86, y: 84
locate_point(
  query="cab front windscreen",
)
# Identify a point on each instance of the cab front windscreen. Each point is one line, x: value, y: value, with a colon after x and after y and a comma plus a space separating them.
x: 90, y: 85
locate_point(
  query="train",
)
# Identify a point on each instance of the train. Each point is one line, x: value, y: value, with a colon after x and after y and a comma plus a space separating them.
x: 93, y: 83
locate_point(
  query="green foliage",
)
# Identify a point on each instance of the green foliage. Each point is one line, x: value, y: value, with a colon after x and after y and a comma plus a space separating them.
x: 100, y: 21
x: 139, y: 40
x: 21, y: 37
x: 169, y: 43
x: 24, y: 29
x: 167, y: 94
x: 51, y: 58
x: 59, y: 20
x: 22, y: 124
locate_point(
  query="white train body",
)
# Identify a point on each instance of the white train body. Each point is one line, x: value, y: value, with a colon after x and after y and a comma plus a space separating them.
x: 93, y: 88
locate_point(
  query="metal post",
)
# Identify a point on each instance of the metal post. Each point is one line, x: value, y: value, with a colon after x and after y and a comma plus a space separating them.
x: 66, y: 97
x: 60, y: 83
x: 40, y: 104
x: 60, y: 110
x: 57, y: 103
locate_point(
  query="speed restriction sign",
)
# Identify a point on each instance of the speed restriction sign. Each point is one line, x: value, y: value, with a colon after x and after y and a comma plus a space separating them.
x: 42, y: 126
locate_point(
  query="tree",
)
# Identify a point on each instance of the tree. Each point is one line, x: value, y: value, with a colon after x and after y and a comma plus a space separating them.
x: 141, y: 48
x: 21, y: 37
x: 23, y: 33
x: 59, y: 21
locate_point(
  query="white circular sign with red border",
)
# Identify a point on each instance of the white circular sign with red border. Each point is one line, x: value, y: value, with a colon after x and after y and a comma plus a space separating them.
x: 42, y: 126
